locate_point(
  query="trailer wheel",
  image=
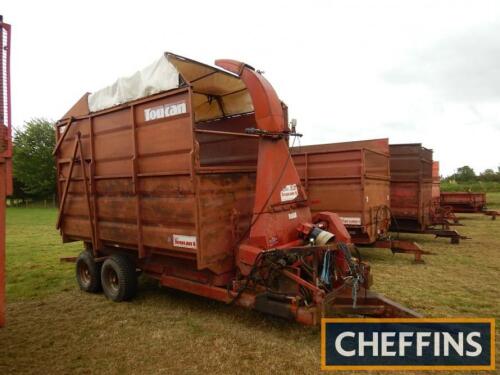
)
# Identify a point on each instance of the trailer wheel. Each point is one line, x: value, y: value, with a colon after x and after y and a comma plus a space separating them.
x: 88, y: 273
x: 119, y: 278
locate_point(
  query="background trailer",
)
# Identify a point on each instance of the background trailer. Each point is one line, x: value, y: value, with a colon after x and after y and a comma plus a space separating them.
x: 353, y: 180
x: 412, y: 185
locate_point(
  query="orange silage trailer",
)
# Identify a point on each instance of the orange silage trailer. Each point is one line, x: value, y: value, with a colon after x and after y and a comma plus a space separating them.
x: 183, y: 171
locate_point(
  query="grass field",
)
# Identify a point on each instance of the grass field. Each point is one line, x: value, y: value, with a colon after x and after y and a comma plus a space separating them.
x: 54, y: 328
x: 476, y: 186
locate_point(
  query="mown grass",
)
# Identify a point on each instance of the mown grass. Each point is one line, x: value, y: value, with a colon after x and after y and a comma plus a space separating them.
x: 54, y: 328
x: 33, y: 250
x: 493, y: 200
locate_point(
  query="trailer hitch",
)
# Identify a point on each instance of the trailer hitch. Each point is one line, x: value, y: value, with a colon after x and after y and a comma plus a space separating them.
x: 492, y: 213
x: 453, y: 235
x: 371, y: 304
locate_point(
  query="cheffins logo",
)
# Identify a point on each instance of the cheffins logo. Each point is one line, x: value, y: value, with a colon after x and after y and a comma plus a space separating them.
x: 408, y: 344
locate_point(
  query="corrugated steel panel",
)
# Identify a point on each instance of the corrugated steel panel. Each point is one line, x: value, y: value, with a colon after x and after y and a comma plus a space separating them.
x: 190, y: 185
x: 411, y: 186
x: 350, y: 179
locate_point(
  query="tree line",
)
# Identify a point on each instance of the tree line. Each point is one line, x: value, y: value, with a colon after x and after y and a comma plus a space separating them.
x: 466, y: 174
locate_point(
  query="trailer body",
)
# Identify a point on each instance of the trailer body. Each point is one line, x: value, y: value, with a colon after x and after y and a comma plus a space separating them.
x: 443, y: 215
x: 464, y: 201
x: 5, y: 149
x: 351, y: 179
x: 436, y: 183
x: 167, y: 174
x: 411, y: 187
x: 183, y: 171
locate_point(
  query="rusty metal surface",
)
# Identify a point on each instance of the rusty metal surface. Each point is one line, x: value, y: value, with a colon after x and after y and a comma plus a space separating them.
x: 436, y: 182
x: 443, y: 215
x: 205, y: 207
x: 5, y: 149
x: 464, y: 201
x: 174, y: 185
x: 380, y: 145
x: 350, y: 179
x: 410, y: 162
x: 411, y: 187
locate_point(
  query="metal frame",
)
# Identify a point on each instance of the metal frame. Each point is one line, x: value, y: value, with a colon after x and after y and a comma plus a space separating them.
x: 6, y: 156
x: 78, y: 148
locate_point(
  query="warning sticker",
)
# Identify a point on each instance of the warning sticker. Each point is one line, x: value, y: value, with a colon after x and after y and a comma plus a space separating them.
x: 292, y: 215
x: 289, y: 193
x: 188, y: 242
x: 351, y: 220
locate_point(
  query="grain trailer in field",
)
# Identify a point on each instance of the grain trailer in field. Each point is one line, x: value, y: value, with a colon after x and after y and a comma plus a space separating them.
x: 440, y: 214
x: 183, y: 171
x: 352, y: 179
x: 464, y: 201
x: 467, y: 202
x: 411, y: 192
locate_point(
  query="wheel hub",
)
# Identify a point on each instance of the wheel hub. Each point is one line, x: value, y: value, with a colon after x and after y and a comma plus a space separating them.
x: 84, y: 273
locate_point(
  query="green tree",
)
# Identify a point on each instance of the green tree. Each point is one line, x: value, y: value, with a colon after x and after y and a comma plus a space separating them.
x: 488, y: 175
x: 18, y: 192
x: 465, y: 174
x: 33, y: 163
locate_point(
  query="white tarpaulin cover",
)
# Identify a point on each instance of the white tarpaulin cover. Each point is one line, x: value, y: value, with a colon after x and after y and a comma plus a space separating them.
x: 216, y: 92
x: 157, y: 77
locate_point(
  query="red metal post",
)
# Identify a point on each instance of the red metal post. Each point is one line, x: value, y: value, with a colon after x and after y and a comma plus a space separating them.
x: 5, y: 150
x: 86, y: 189
x: 2, y: 242
x: 136, y: 185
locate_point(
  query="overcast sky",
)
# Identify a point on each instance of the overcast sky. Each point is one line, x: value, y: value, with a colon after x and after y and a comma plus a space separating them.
x: 413, y: 71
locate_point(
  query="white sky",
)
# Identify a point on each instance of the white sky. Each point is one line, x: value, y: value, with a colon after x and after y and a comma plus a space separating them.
x: 413, y: 71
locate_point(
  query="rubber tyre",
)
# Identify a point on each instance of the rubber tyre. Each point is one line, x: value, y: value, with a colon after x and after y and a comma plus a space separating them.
x: 88, y: 273
x: 119, y: 278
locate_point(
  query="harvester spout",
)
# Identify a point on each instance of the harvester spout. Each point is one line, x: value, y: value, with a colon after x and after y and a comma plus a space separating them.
x: 280, y: 201
x: 267, y: 106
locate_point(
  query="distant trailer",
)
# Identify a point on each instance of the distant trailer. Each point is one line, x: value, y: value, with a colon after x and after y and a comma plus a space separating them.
x: 5, y: 150
x: 353, y: 180
x: 411, y: 186
x: 436, y: 183
x: 464, y: 201
x: 441, y: 214
x: 412, y: 192
x: 467, y: 202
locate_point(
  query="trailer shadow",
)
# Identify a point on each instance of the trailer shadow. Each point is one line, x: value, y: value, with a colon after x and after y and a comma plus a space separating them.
x: 151, y: 292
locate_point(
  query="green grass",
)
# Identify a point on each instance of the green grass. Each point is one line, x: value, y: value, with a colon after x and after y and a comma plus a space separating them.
x: 34, y: 247
x: 493, y: 200
x: 54, y: 328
